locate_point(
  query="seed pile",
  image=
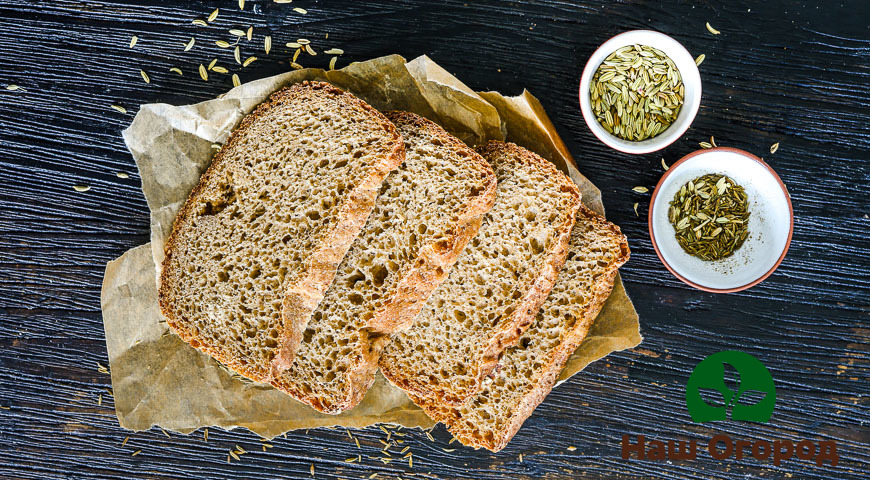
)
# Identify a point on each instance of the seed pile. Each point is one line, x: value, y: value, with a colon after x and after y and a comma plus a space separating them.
x: 710, y: 216
x: 637, y: 92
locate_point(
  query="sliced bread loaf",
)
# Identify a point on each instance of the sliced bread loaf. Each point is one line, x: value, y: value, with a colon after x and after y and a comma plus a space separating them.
x: 279, y: 206
x: 425, y: 214
x: 528, y: 370
x: 496, y: 287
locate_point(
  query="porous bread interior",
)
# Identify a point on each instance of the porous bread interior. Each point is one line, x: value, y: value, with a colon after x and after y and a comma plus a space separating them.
x: 421, y: 209
x: 528, y: 370
x: 284, y: 182
x: 450, y: 347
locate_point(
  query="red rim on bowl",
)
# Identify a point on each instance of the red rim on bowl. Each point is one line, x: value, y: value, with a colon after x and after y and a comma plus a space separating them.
x: 790, y: 220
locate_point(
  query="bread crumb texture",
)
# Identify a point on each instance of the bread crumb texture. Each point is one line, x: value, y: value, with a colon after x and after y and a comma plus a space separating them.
x: 497, y: 284
x: 413, y: 236
x: 283, y: 197
x: 528, y: 370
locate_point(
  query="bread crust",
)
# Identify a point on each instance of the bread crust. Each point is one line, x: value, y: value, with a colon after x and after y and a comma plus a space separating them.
x: 354, y: 212
x: 415, y: 285
x: 511, y: 327
x: 571, y: 341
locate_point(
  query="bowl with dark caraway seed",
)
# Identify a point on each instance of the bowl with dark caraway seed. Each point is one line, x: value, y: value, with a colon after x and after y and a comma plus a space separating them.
x: 721, y: 220
x: 640, y: 91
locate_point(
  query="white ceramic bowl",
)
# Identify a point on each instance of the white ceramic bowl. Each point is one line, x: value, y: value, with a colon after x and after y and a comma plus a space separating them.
x: 688, y: 71
x: 771, y: 221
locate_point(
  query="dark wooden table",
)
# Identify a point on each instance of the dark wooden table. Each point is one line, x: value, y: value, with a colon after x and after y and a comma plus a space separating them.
x: 796, y: 73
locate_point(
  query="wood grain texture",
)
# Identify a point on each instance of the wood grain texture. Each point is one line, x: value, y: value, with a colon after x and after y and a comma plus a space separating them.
x: 794, y: 73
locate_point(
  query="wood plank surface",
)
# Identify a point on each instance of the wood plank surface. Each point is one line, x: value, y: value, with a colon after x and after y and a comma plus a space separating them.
x: 797, y: 73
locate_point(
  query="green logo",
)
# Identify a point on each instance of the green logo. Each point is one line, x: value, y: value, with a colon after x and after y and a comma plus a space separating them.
x: 730, y: 381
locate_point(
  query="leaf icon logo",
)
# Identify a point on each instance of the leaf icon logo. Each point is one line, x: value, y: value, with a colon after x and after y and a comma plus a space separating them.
x: 730, y: 384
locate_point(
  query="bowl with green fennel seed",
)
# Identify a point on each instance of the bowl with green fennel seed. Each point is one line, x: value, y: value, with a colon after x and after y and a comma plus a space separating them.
x: 640, y: 91
x: 721, y: 220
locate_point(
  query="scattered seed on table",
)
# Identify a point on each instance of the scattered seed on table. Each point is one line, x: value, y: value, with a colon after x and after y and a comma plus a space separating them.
x: 774, y: 148
x: 640, y: 189
x: 267, y: 44
x: 712, y: 30
x: 249, y: 61
x: 222, y: 43
x: 203, y: 72
x: 200, y: 22
x: 300, y: 10
x: 334, y: 51
x: 214, y: 15
x: 133, y: 41
x: 119, y: 108
x: 189, y: 45
x: 700, y: 59
x: 236, y: 81
x: 145, y: 76
x: 176, y: 70
x: 123, y: 175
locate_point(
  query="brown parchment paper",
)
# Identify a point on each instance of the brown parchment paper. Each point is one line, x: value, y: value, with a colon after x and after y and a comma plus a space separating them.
x: 159, y: 380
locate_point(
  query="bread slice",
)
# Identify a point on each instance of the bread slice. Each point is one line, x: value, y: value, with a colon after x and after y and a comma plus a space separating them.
x: 528, y: 370
x: 278, y: 208
x: 497, y: 285
x: 426, y: 212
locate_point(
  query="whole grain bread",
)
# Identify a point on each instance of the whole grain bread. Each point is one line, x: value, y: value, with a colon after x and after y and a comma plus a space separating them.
x: 528, y: 371
x: 425, y: 214
x: 496, y: 287
x: 275, y: 212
